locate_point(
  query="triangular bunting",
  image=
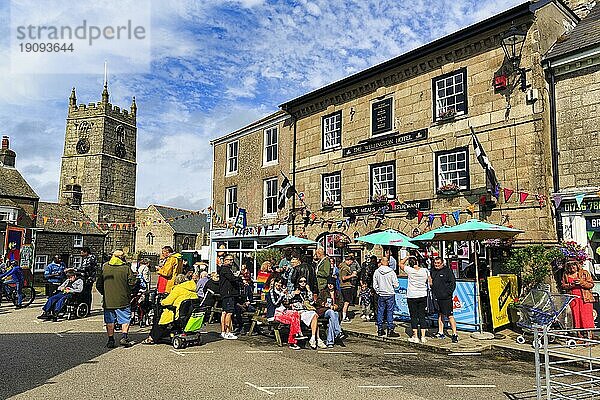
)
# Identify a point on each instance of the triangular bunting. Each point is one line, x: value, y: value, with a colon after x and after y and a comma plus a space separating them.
x: 443, y: 218
x: 456, y: 216
x: 419, y: 216
x: 431, y: 218
x: 579, y: 199
x: 471, y: 209
x: 523, y: 196
x: 557, y: 198
x: 507, y: 194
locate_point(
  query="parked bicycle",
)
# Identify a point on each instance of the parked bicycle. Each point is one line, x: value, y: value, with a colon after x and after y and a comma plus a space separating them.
x: 8, y: 291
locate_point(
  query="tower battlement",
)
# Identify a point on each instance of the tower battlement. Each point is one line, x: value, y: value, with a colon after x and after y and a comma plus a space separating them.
x: 99, y: 108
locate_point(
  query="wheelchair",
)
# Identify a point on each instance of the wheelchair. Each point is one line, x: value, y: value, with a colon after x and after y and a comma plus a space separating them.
x: 79, y: 305
x: 187, y: 326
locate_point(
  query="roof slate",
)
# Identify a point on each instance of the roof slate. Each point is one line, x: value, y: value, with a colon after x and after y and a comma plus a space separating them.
x: 63, y: 212
x: 12, y: 184
x: 190, y: 223
x: 586, y: 34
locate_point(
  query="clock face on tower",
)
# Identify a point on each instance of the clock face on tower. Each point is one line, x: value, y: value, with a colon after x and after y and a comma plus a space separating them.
x: 120, y: 150
x: 83, y: 146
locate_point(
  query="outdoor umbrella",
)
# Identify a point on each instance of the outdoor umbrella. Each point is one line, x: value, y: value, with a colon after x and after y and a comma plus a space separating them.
x: 428, y: 236
x: 389, y: 237
x: 474, y: 230
x: 293, y: 241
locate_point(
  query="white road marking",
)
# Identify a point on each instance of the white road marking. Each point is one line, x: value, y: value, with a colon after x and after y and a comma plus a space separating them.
x: 178, y: 353
x: 379, y: 386
x: 400, y: 354
x: 36, y: 321
x: 471, y: 386
x: 259, y: 388
x: 197, y: 352
x: 285, y: 387
x: 264, y: 351
x: 333, y: 352
x: 464, y: 354
x: 59, y: 335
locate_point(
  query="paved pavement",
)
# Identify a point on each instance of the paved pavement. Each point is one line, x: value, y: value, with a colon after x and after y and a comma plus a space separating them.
x: 45, y: 360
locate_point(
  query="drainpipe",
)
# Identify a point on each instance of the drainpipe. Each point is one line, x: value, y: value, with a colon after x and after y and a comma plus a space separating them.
x: 294, y: 174
x: 554, y: 148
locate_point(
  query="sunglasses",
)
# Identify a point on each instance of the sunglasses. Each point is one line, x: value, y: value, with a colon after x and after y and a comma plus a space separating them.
x: 302, y: 281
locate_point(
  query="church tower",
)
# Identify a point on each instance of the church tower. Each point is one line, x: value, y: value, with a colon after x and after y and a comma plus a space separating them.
x: 98, y: 170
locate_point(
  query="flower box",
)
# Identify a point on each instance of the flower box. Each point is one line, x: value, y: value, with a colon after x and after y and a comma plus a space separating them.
x: 448, y: 189
x: 327, y: 205
x: 447, y: 115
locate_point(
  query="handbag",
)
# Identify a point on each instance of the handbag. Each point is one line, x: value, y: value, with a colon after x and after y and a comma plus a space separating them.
x: 431, y: 307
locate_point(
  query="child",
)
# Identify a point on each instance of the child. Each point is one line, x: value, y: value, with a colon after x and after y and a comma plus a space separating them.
x: 365, y: 301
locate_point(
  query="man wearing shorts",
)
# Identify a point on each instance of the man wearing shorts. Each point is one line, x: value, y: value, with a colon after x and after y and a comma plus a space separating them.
x: 346, y: 277
x: 229, y: 290
x: 115, y: 282
x: 442, y: 288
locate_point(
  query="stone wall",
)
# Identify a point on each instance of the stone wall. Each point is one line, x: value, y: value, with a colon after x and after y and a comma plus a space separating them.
x: 578, y: 128
x: 251, y: 173
x: 162, y: 232
x: 52, y: 243
x: 513, y: 132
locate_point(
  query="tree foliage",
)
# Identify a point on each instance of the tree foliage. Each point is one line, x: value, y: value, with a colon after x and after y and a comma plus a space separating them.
x: 267, y: 255
x: 532, y: 264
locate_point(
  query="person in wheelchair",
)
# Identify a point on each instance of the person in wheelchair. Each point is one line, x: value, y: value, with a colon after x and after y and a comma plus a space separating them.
x: 73, y: 284
x: 182, y: 290
x: 16, y: 277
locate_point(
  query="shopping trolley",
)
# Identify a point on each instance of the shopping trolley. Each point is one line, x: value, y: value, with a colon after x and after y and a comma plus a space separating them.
x: 539, y: 309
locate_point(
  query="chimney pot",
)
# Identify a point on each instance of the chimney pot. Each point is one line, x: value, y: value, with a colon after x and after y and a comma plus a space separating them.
x: 5, y: 142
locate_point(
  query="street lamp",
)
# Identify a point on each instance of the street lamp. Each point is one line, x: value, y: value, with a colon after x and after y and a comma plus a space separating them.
x: 512, y: 44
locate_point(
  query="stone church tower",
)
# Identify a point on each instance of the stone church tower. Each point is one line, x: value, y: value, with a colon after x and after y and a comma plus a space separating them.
x: 98, y: 170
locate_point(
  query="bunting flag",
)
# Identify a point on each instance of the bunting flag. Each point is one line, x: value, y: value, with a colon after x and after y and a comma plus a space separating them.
x: 507, y: 194
x: 579, y: 199
x: 471, y: 209
x: 431, y: 218
x: 456, y: 216
x: 557, y: 198
x: 523, y: 196
x: 393, y: 205
x: 419, y: 216
x: 443, y: 218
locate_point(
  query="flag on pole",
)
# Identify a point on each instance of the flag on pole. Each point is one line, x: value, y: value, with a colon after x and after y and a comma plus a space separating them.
x: 492, y: 181
x: 286, y: 191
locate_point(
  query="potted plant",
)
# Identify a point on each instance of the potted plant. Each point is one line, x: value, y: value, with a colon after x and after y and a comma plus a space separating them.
x: 532, y: 265
x: 449, y: 188
x: 447, y: 115
x: 379, y: 198
x: 327, y: 204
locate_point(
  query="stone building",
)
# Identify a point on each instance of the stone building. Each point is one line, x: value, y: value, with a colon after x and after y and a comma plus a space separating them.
x: 98, y: 170
x: 18, y: 201
x: 64, y: 230
x: 400, y: 131
x: 159, y: 226
x: 247, y: 174
x: 573, y: 68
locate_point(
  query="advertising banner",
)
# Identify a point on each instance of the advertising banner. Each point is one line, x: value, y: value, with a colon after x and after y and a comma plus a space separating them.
x: 13, y: 242
x: 465, y: 305
x: 503, y: 290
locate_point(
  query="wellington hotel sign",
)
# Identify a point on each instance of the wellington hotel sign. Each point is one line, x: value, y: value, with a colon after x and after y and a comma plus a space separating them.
x: 385, y: 141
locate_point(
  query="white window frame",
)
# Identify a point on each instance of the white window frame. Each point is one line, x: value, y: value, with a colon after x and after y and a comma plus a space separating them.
x: 75, y: 262
x: 233, y: 151
x: 452, y: 168
x: 375, y: 187
x: 331, y: 126
x: 268, y: 144
x: 9, y: 214
x: 443, y: 83
x: 270, y: 197
x: 150, y: 239
x: 332, y: 187
x: 78, y: 240
x: 229, y: 203
x: 40, y: 263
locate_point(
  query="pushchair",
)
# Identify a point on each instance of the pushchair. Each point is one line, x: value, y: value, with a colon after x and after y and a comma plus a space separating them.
x: 187, y: 326
x: 539, y: 309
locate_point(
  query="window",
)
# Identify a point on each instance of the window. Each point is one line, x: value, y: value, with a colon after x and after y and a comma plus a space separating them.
x: 271, y: 140
x: 150, y: 238
x: 332, y: 188
x: 450, y: 95
x: 270, y: 196
x: 232, y: 157
x: 186, y: 243
x: 231, y: 203
x: 452, y: 169
x: 40, y: 263
x: 120, y: 133
x: 76, y: 262
x: 332, y: 130
x: 78, y: 241
x: 8, y: 215
x: 383, y: 181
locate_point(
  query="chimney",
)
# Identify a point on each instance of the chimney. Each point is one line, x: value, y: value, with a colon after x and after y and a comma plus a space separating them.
x: 7, y: 156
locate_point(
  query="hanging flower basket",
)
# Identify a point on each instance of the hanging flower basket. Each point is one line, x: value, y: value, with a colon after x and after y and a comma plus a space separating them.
x: 379, y: 199
x: 327, y: 205
x: 447, y: 115
x: 571, y: 250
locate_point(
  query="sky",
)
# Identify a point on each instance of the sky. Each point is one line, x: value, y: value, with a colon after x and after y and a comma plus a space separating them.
x: 214, y: 67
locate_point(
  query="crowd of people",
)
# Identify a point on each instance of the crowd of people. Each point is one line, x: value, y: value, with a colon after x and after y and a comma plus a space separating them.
x: 298, y: 290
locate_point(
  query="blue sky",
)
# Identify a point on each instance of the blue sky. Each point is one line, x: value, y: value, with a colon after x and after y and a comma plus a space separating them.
x: 215, y: 67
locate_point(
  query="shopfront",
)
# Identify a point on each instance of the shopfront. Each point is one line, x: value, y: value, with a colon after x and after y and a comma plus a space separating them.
x: 244, y: 247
